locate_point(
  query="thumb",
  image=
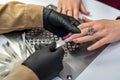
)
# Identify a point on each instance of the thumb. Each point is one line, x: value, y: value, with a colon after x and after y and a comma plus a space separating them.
x: 37, y: 47
x: 60, y: 52
x: 83, y: 9
x: 52, y: 46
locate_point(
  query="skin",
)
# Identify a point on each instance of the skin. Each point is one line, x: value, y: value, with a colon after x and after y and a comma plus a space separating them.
x: 105, y: 31
x: 71, y: 8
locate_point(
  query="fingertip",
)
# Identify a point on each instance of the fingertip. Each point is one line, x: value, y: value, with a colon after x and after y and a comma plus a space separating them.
x: 76, y: 17
x: 52, y: 46
x: 59, y: 5
x: 63, y: 12
x: 89, y: 49
x: 60, y: 51
x: 70, y: 13
x: 37, y: 47
x: 75, y: 40
x: 70, y: 38
x: 88, y: 12
x: 84, y: 10
x: 85, y: 19
x: 59, y: 9
x: 76, y: 14
x: 97, y: 44
x: 85, y: 25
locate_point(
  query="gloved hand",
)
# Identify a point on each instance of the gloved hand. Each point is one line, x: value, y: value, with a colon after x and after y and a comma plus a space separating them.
x: 46, y: 62
x: 59, y: 24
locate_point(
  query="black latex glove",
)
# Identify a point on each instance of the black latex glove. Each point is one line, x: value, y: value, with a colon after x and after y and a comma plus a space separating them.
x: 46, y: 62
x: 59, y: 24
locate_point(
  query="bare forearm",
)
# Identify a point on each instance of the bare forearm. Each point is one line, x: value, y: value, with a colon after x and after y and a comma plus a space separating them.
x: 21, y: 73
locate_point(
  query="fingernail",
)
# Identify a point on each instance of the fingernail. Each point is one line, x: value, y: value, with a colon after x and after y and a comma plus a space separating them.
x: 75, y: 40
x: 65, y: 37
x: 68, y: 39
x: 89, y: 49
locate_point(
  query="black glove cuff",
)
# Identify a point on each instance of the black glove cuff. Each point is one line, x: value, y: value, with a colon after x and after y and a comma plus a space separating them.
x: 32, y: 67
x: 40, y: 73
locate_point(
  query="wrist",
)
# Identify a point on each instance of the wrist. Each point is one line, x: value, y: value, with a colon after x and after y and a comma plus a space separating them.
x: 21, y: 73
x: 32, y: 65
x: 46, y: 13
x: 28, y: 72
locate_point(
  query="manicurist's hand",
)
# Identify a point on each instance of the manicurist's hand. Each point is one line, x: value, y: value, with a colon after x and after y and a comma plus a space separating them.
x: 46, y: 61
x: 59, y: 24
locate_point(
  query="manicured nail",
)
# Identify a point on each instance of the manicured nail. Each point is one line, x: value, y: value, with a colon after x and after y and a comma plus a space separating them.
x: 75, y: 40
x: 68, y: 39
x: 66, y: 36
x: 89, y: 49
